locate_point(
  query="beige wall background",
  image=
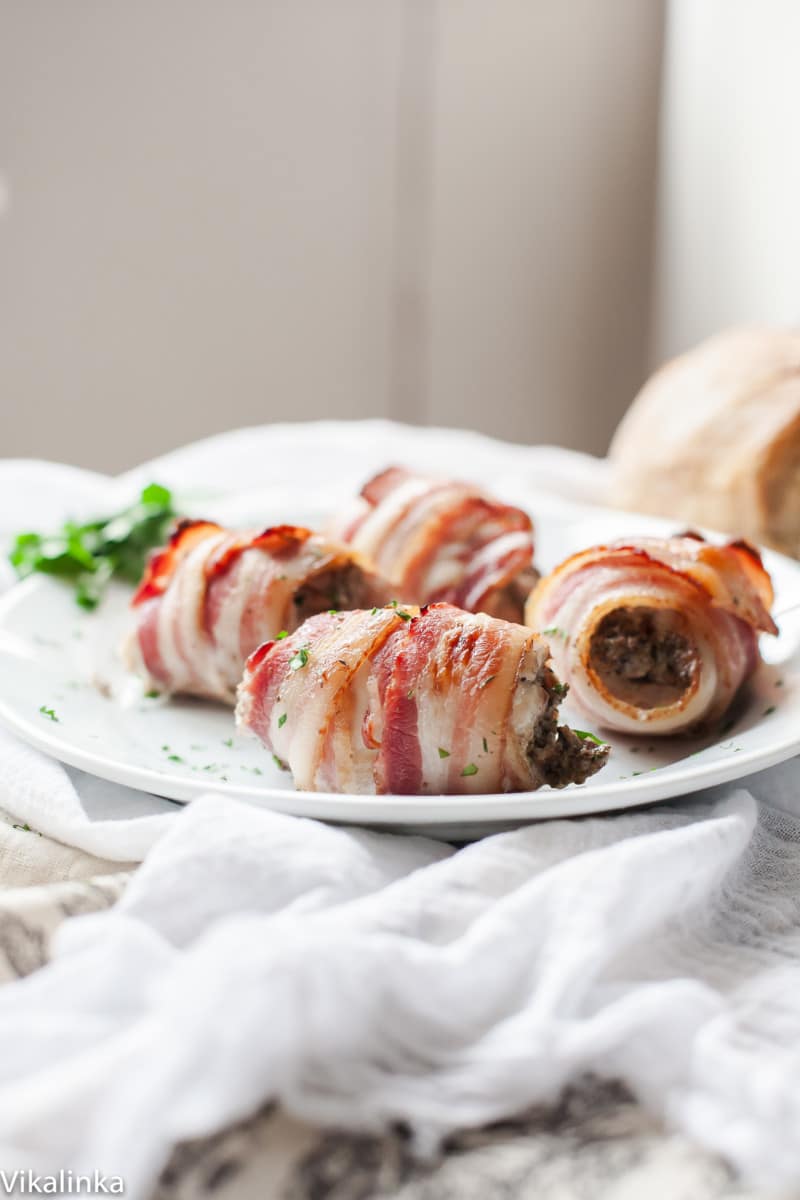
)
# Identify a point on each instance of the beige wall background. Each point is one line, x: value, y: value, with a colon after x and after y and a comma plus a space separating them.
x: 214, y: 215
x: 728, y: 242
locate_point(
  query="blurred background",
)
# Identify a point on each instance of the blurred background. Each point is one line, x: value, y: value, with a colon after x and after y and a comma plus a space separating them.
x: 490, y: 213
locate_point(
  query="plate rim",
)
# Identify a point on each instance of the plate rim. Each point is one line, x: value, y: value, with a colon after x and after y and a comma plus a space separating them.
x: 393, y: 810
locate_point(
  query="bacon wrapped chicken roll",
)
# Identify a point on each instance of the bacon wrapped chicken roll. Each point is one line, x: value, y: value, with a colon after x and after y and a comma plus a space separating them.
x: 413, y: 702
x: 439, y: 540
x: 212, y: 596
x: 655, y: 636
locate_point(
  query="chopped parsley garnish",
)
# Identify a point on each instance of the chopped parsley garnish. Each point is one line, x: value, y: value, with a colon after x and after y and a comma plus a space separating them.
x: 284, y: 633
x: 443, y: 753
x: 282, y: 720
x: 48, y: 712
x: 560, y: 689
x: 404, y: 616
x: 299, y: 658
x: 26, y: 829
x: 174, y: 758
x: 228, y: 742
x: 470, y: 769
x: 89, y: 555
x: 332, y: 612
x: 553, y: 631
x: 279, y: 763
x: 373, y: 612
x: 152, y: 694
x: 585, y: 736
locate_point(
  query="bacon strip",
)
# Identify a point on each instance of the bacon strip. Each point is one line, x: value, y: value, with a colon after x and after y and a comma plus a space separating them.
x: 413, y: 702
x: 655, y: 636
x: 211, y: 596
x: 440, y: 540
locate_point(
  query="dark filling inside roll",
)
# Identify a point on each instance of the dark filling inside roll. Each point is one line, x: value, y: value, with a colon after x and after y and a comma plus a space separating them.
x: 644, y: 656
x: 508, y: 603
x: 341, y: 587
x: 559, y: 755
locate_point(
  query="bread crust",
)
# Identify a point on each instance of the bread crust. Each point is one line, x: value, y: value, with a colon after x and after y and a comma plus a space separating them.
x: 713, y: 438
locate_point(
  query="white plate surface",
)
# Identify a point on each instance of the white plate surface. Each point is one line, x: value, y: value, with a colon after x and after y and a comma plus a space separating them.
x: 55, y: 656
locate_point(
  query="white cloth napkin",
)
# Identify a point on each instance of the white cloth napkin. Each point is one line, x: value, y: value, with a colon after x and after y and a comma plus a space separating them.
x: 364, y: 978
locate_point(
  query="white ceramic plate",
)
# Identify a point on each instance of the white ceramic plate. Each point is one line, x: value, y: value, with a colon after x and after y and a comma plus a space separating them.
x: 53, y: 656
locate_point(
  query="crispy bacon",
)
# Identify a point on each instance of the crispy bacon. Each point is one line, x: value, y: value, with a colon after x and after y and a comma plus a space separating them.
x: 211, y: 596
x: 413, y: 701
x: 655, y: 636
x: 440, y: 540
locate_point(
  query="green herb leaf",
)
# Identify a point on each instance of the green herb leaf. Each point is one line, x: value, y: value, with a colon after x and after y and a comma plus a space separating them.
x: 585, y: 736
x: 279, y: 763
x: 553, y: 631
x: 443, y: 753
x: 48, y: 712
x: 560, y: 689
x: 282, y: 720
x: 284, y: 633
x: 470, y: 769
x: 299, y: 659
x: 228, y: 742
x: 89, y: 555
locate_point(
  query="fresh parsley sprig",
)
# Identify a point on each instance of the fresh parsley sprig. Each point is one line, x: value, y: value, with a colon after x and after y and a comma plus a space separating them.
x: 89, y: 555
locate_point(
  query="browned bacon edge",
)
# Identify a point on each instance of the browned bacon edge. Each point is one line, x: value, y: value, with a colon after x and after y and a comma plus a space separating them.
x: 747, y: 557
x: 277, y: 540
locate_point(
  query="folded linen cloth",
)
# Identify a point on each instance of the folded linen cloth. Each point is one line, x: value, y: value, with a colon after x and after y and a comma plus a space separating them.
x: 365, y: 978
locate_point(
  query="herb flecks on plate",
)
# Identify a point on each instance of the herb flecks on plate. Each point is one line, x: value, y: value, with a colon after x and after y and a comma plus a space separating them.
x: 89, y: 555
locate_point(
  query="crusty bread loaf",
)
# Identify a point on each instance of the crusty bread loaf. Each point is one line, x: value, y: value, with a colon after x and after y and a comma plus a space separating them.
x: 713, y: 438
